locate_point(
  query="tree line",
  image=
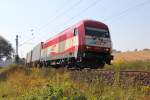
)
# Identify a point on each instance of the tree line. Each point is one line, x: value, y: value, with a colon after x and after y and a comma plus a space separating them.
x: 6, y: 49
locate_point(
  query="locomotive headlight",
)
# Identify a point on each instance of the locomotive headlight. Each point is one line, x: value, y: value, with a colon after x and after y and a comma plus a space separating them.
x: 107, y: 49
x: 87, y: 47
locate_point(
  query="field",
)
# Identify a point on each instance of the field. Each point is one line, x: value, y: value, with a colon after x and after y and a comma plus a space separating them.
x: 20, y: 83
x: 132, y: 56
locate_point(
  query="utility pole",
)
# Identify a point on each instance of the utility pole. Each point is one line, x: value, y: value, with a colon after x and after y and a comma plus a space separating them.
x: 16, y: 56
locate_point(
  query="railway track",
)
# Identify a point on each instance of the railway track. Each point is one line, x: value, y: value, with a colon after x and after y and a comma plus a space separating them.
x: 109, y: 77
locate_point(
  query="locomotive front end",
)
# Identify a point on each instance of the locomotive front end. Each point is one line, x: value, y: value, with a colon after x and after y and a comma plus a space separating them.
x: 97, y: 44
x: 97, y: 40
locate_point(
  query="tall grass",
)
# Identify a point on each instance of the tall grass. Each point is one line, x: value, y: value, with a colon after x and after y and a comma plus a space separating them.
x: 129, y: 65
x: 58, y: 84
x: 39, y: 84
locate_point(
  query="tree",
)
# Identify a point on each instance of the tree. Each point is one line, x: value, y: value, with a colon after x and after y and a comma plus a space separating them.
x: 6, y: 49
x: 146, y: 49
x: 116, y: 51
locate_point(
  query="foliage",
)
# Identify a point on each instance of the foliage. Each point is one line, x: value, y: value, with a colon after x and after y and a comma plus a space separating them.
x: 5, y: 48
x: 129, y: 65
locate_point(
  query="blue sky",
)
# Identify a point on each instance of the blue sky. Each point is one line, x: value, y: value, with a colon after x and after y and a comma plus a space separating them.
x: 38, y: 20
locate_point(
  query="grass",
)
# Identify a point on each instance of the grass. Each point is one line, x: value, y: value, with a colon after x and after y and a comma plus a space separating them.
x: 132, y: 56
x: 22, y: 83
x: 39, y: 84
x: 2, y: 69
x: 129, y: 65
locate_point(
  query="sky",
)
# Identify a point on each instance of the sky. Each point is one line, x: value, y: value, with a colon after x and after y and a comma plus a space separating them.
x: 37, y: 20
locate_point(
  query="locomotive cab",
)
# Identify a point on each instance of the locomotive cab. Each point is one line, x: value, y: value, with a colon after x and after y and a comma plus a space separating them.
x: 97, y: 45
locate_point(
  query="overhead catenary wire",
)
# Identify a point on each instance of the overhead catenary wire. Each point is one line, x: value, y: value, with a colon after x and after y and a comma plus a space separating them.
x: 86, y: 9
x: 50, y: 17
x: 83, y: 11
x: 61, y: 14
x: 44, y: 24
x: 113, y: 16
x: 127, y: 10
x: 57, y: 16
x: 117, y: 15
x: 26, y: 41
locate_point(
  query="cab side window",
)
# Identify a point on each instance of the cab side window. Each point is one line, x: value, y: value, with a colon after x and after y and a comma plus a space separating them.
x: 75, y: 31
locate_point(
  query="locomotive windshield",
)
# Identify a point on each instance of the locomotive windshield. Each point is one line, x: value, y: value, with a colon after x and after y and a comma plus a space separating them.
x: 97, y: 37
x: 97, y: 32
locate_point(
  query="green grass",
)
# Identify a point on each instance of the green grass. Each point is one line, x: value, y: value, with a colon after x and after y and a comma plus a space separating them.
x: 2, y: 69
x: 7, y: 68
x: 58, y: 84
x: 130, y: 65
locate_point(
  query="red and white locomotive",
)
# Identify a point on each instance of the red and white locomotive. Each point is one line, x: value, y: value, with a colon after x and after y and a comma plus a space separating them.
x: 86, y: 44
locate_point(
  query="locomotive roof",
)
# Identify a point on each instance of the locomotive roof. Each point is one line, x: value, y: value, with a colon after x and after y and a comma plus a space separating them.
x: 92, y: 21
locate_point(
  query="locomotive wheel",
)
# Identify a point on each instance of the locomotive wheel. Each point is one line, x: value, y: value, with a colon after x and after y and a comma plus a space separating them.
x: 97, y: 65
x: 79, y: 65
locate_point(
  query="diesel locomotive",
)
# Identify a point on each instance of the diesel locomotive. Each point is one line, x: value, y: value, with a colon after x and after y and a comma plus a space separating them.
x: 86, y: 44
